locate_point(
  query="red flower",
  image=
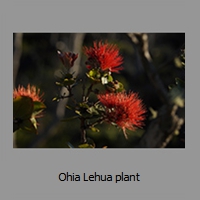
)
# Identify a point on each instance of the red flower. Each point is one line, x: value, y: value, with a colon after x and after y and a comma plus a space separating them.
x: 26, y: 110
x: 125, y: 110
x: 67, y: 58
x: 30, y: 91
x: 106, y: 56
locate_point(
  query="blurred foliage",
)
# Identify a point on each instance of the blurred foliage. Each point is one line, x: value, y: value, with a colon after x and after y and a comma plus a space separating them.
x: 39, y: 65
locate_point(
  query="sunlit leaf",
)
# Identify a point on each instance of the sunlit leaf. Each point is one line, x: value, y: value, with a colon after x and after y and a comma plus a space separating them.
x: 85, y: 146
x: 34, y: 122
x: 92, y: 110
x: 89, y: 144
x: 55, y: 99
x: 78, y: 112
x: 94, y: 129
x: 110, y: 78
x: 59, y: 83
x: 69, y: 107
x: 154, y: 113
x: 69, y: 81
x: 38, y: 106
x: 106, y: 79
x: 178, y: 62
x: 83, y: 105
x: 94, y: 74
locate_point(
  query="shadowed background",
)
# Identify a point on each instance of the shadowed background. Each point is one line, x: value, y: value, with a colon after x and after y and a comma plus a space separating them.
x: 36, y: 62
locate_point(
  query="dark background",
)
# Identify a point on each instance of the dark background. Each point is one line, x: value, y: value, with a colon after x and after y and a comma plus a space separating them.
x: 39, y: 63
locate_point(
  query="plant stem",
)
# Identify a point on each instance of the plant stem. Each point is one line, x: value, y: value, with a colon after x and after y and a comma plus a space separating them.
x: 99, y: 121
x: 88, y: 92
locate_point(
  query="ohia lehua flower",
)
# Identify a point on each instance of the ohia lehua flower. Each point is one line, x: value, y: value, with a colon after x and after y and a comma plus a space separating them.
x: 27, y: 106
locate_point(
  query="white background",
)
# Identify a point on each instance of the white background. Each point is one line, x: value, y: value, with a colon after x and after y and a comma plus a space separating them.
x: 165, y: 173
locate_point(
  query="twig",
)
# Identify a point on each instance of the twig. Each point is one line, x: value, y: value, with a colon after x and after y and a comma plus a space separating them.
x: 99, y: 121
x: 141, y: 40
x: 88, y: 92
x: 161, y: 130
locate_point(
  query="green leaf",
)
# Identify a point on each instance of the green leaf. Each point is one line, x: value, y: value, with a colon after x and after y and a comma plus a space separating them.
x: 177, y: 61
x: 93, y: 79
x: 94, y: 129
x: 120, y: 87
x: 154, y: 113
x: 68, y: 75
x: 94, y: 74
x: 38, y: 106
x: 85, y: 146
x: 99, y: 108
x: 78, y: 112
x: 55, y: 99
x: 69, y: 81
x: 70, y: 118
x: 22, y: 108
x: 86, y: 115
x: 69, y: 107
x: 59, y: 83
x: 110, y: 78
x: 83, y: 105
x: 89, y: 144
x: 28, y: 126
x: 16, y: 125
x: 34, y: 122
x: 115, y: 86
x: 106, y: 78
x: 92, y: 110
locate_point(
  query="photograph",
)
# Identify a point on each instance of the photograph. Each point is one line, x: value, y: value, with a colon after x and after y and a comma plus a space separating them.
x: 99, y: 90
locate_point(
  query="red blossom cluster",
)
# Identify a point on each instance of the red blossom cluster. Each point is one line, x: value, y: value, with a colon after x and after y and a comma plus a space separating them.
x: 67, y: 58
x: 104, y: 56
x: 119, y: 108
x: 125, y: 110
x: 27, y: 106
x: 30, y: 91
